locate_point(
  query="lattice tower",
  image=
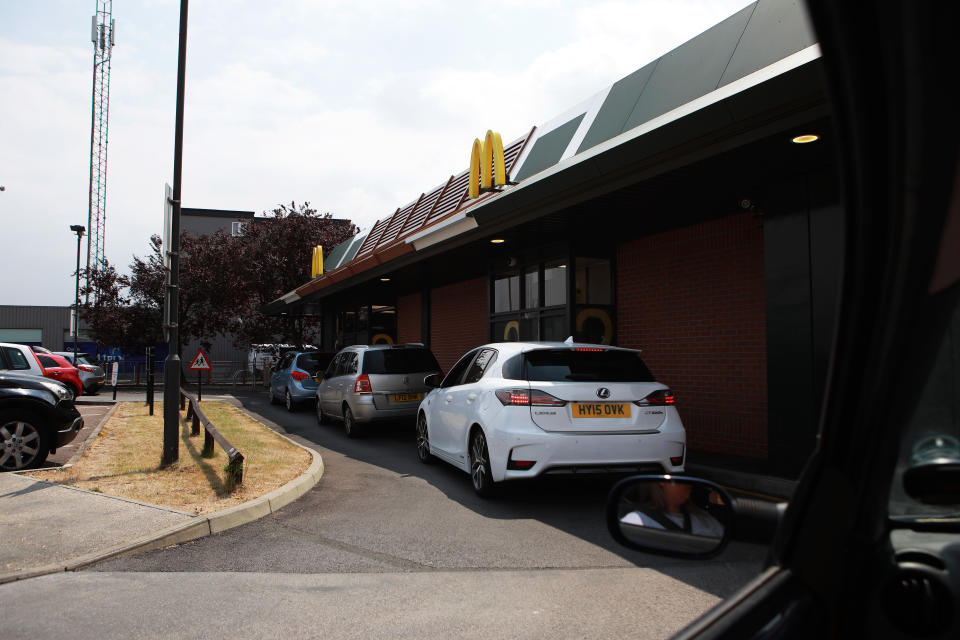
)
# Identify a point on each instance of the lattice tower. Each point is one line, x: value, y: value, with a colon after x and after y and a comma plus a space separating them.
x: 102, y: 36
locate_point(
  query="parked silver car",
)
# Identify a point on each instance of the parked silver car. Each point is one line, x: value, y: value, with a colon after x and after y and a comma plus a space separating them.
x: 365, y: 383
x: 91, y: 374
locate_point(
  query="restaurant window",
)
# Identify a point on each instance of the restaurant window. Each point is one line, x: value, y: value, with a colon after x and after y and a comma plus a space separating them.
x: 544, y: 313
x: 506, y: 293
x: 531, y: 285
x: 594, y: 311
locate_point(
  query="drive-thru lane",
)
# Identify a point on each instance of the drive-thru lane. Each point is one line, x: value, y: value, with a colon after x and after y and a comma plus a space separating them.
x: 385, y: 540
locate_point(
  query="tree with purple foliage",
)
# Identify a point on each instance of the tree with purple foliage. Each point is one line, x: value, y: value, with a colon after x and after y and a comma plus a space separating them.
x: 225, y: 280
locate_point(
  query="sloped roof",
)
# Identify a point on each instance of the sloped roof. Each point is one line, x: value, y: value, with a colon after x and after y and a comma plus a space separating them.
x: 385, y: 239
x: 762, y: 41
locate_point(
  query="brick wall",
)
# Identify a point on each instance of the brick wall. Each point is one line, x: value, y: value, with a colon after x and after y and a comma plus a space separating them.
x: 693, y: 300
x: 408, y: 318
x: 458, y: 320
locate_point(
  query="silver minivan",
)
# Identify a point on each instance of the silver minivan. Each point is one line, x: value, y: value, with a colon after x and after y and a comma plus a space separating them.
x: 366, y: 383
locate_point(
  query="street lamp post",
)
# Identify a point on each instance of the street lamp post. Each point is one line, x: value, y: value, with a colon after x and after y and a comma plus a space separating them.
x: 78, y: 229
x: 171, y: 366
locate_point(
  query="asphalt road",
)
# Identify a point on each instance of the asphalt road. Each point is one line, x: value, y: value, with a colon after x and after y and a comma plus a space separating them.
x: 385, y: 543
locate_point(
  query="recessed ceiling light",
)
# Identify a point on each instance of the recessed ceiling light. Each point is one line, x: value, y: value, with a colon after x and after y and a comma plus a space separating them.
x: 384, y: 279
x: 497, y: 241
x: 809, y: 137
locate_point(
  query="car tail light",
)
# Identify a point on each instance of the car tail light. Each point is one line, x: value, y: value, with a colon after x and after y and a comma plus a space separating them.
x: 519, y: 465
x: 299, y: 375
x: 658, y: 398
x: 86, y: 367
x: 588, y: 349
x: 528, y: 397
x: 362, y: 384
x: 677, y: 460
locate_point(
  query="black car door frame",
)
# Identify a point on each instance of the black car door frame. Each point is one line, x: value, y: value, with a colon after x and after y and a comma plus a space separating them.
x: 888, y: 66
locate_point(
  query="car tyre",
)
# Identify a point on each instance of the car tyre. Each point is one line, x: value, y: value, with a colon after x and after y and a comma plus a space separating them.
x: 288, y: 401
x: 273, y: 398
x: 23, y: 445
x: 321, y: 416
x: 423, y: 441
x: 480, y: 473
x: 350, y: 426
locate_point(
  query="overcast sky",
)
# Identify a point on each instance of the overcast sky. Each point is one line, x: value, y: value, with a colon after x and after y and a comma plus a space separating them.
x: 354, y: 106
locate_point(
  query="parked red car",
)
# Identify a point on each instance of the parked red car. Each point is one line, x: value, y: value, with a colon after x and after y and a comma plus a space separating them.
x: 59, y: 368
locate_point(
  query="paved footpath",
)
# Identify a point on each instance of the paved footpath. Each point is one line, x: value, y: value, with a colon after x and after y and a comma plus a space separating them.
x: 48, y: 527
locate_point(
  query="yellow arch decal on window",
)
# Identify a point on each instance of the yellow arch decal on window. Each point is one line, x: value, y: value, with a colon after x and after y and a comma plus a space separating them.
x: 515, y: 325
x: 600, y: 315
x: 381, y: 338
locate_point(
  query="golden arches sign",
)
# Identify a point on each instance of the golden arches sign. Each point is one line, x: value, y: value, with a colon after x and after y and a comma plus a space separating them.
x: 487, y: 167
x: 316, y: 266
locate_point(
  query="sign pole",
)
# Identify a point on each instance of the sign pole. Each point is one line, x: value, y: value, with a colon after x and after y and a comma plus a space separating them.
x: 199, y: 386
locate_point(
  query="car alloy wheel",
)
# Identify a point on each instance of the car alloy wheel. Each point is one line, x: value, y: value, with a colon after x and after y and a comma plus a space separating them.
x: 288, y: 401
x: 480, y: 465
x: 349, y: 424
x: 423, y: 440
x: 22, y: 445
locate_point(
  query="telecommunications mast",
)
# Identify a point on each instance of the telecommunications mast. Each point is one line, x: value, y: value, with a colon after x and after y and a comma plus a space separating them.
x: 102, y: 35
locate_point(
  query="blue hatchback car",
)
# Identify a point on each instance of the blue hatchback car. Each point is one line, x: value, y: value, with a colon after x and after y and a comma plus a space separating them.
x: 292, y: 380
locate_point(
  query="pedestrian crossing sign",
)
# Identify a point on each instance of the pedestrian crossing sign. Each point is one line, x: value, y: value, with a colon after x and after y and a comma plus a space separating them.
x: 200, y: 362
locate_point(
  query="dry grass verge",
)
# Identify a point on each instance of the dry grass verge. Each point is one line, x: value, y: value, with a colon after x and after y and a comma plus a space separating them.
x: 124, y: 460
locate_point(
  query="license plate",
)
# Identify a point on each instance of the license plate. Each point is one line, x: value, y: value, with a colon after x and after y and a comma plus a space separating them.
x: 601, y: 410
x: 404, y: 397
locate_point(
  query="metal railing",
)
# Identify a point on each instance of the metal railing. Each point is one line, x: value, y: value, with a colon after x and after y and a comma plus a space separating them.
x: 232, y: 373
x: 234, y: 468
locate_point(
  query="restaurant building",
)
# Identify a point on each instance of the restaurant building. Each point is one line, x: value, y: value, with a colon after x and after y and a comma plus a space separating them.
x: 679, y: 211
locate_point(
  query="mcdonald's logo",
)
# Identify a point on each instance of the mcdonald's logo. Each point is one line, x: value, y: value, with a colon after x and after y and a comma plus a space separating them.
x: 316, y: 267
x: 487, y: 168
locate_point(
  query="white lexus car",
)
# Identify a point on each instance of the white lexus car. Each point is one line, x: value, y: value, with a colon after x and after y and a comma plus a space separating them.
x: 515, y: 410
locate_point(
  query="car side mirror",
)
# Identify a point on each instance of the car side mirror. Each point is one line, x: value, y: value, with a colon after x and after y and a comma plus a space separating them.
x: 670, y: 515
x: 433, y: 380
x: 934, y: 477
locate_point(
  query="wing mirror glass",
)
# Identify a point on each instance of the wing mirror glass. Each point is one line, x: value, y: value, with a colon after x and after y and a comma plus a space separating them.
x: 934, y: 477
x: 433, y: 380
x: 670, y: 515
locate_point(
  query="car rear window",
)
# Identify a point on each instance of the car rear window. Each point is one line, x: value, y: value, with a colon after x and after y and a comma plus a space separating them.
x: 86, y: 360
x: 399, y: 361
x: 17, y: 360
x: 314, y: 361
x: 557, y: 365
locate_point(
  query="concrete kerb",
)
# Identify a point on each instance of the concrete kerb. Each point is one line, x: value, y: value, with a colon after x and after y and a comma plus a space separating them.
x: 86, y: 443
x: 199, y: 528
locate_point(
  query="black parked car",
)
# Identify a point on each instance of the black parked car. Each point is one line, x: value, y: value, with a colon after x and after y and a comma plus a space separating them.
x: 37, y: 415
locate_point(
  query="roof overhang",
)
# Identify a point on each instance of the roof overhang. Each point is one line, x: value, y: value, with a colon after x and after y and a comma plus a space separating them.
x: 773, y: 99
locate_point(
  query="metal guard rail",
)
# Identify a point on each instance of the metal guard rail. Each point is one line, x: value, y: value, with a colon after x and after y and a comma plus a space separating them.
x: 234, y: 468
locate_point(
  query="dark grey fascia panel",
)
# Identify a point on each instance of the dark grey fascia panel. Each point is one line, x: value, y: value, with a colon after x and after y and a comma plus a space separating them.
x: 549, y: 148
x: 777, y: 29
x: 617, y: 107
x: 691, y: 70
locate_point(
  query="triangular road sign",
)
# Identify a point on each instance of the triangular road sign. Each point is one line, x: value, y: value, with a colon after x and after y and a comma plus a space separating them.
x: 200, y: 362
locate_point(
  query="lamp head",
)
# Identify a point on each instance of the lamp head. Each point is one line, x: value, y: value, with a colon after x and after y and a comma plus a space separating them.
x: 78, y: 228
